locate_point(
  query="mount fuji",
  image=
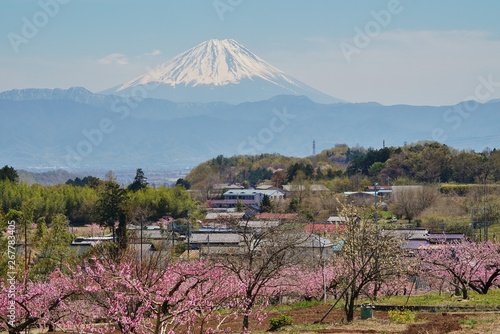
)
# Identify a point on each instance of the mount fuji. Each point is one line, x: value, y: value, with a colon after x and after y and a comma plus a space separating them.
x: 217, y: 71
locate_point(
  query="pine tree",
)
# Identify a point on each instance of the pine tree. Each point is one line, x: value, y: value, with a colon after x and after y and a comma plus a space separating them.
x: 140, y: 181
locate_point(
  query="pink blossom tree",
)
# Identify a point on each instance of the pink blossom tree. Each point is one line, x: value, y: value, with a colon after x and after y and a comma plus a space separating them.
x: 306, y: 282
x: 464, y: 265
x: 27, y: 303
x: 155, y: 295
x: 120, y: 292
x: 260, y: 260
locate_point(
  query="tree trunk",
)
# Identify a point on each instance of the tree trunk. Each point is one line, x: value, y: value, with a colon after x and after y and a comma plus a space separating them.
x: 349, y: 307
x: 350, y: 311
x: 158, y: 323
x: 245, y: 324
x: 465, y: 292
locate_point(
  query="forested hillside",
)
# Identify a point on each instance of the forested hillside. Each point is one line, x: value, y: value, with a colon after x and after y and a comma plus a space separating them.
x: 420, y: 163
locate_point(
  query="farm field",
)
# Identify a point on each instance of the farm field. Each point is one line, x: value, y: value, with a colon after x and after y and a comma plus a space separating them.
x: 304, y: 322
x: 425, y: 323
x: 480, y: 314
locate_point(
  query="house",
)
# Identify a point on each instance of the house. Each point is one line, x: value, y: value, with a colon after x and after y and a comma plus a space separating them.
x: 380, y: 189
x: 221, y: 216
x: 198, y: 240
x: 247, y: 197
x: 206, y: 243
x: 409, y: 233
x: 439, y: 238
x: 258, y: 224
x: 359, y: 196
x: 82, y: 244
x: 142, y: 235
x: 416, y: 238
x: 337, y: 220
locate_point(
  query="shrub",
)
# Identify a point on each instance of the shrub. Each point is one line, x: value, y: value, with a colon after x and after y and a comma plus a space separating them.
x: 277, y: 323
x: 470, y: 323
x: 402, y: 316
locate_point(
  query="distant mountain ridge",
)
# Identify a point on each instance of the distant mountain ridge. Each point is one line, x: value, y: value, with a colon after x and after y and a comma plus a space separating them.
x: 47, y: 178
x: 218, y: 71
x: 77, y: 130
x: 77, y: 94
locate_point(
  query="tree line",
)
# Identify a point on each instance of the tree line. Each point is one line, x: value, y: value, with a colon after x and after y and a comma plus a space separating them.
x: 423, y: 162
x: 45, y: 216
x: 80, y: 199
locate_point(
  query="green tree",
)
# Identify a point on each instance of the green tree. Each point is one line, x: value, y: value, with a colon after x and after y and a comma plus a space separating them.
x: 121, y: 232
x: 466, y: 166
x: 140, y: 181
x: 40, y: 232
x: 239, y: 206
x: 54, y: 249
x: 362, y: 163
x: 294, y: 205
x: 89, y: 181
x: 9, y: 173
x: 183, y: 182
x: 376, y: 168
x: 266, y: 205
x: 111, y: 203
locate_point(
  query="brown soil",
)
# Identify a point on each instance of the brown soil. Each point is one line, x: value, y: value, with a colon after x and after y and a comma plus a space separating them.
x: 426, y: 323
x: 437, y: 323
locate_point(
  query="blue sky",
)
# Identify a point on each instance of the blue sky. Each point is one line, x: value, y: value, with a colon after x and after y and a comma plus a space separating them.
x: 410, y: 52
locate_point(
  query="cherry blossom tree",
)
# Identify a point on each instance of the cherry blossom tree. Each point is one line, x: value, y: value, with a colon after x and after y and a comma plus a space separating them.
x: 114, y: 291
x: 157, y: 294
x: 464, y: 265
x: 306, y: 282
x: 26, y: 303
x: 260, y: 261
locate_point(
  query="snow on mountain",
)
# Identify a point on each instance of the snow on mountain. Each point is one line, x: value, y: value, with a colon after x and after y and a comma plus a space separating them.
x: 218, y: 70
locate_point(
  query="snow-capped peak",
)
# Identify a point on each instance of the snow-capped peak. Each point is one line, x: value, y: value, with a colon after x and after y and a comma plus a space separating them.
x: 213, y: 62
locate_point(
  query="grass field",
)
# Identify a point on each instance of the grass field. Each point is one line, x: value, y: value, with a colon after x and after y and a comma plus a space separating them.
x: 475, y: 320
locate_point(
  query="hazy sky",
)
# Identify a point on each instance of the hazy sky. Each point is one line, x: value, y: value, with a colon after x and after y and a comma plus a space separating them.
x: 418, y: 52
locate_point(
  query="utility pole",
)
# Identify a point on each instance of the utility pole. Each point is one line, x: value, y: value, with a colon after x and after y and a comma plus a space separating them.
x: 375, y: 204
x: 188, y: 236
x: 485, y: 224
x: 173, y: 237
x: 473, y: 237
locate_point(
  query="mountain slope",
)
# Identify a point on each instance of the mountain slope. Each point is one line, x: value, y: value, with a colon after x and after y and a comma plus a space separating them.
x: 54, y: 132
x: 218, y: 71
